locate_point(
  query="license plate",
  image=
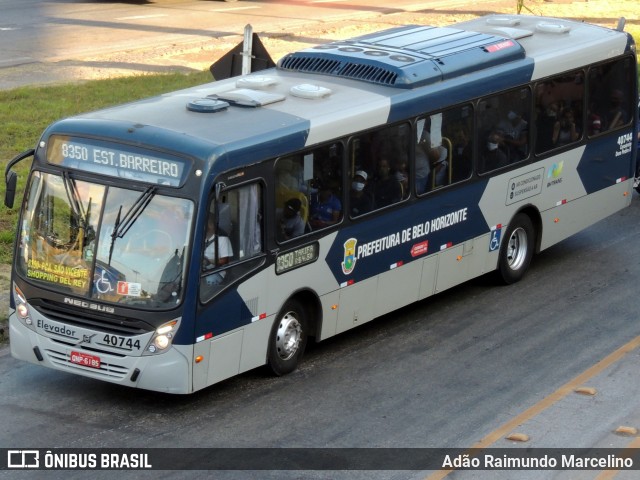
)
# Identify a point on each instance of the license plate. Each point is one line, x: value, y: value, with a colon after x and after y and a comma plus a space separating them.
x: 85, y: 359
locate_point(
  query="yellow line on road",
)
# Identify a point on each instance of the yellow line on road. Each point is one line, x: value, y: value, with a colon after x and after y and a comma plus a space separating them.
x: 548, y: 401
x: 609, y: 474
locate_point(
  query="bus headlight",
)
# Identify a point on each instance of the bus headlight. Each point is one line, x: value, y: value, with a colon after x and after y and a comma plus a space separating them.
x: 22, y: 309
x: 163, y: 337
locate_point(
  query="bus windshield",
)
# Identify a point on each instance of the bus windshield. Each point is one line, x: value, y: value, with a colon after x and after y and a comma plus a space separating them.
x: 104, y: 243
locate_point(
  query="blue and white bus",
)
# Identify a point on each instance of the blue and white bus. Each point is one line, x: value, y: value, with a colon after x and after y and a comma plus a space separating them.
x: 174, y: 242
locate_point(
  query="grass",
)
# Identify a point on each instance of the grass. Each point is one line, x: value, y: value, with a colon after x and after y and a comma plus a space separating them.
x: 25, y: 112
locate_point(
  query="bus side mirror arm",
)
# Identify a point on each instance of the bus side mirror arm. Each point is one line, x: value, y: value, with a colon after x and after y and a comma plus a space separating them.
x: 11, y: 177
x: 220, y: 186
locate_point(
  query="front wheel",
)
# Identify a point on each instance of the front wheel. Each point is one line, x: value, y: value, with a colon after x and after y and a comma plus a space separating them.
x: 288, y: 339
x: 517, y: 249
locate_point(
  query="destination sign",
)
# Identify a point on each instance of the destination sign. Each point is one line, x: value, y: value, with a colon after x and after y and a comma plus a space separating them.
x: 296, y: 258
x: 116, y: 161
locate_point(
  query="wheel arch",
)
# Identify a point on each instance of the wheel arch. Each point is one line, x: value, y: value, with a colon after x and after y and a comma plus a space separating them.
x: 310, y: 301
x: 534, y: 215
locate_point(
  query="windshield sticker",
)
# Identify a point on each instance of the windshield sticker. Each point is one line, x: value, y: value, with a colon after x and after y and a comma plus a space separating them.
x: 102, y: 281
x: 130, y: 289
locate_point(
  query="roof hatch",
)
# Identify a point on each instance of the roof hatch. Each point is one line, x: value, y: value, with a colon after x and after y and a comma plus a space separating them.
x: 247, y: 97
x: 406, y: 57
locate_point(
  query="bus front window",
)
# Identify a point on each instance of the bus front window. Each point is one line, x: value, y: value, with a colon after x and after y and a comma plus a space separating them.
x: 105, y: 243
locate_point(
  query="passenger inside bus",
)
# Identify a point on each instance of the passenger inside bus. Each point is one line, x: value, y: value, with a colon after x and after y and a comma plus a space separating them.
x: 462, y: 153
x: 386, y: 188
x: 401, y: 172
x: 565, y: 130
x: 616, y: 115
x: 546, y: 119
x: 290, y: 223
x: 515, y: 135
x: 326, y: 208
x: 214, y: 258
x: 439, y: 161
x: 493, y: 156
x: 360, y: 200
x: 422, y: 169
x: 594, y: 122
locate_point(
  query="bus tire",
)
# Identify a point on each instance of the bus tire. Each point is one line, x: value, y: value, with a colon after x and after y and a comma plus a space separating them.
x: 288, y: 338
x: 516, y: 250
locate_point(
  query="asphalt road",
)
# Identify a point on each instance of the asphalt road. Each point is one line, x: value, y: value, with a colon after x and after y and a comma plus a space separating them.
x: 64, y: 40
x: 465, y: 368
x: 54, y: 30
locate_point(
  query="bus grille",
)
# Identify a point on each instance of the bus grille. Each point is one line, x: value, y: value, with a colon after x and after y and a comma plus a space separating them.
x: 105, y: 323
x: 106, y: 370
x: 337, y: 68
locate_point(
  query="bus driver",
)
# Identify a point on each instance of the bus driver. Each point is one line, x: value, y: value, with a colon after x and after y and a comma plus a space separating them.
x: 213, y: 259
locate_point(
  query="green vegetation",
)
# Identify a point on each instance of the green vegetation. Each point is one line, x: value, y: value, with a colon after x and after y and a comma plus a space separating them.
x: 634, y: 30
x: 25, y: 113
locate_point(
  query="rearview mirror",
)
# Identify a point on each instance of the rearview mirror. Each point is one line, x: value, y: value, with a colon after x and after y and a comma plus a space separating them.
x: 11, y: 177
x: 10, y: 193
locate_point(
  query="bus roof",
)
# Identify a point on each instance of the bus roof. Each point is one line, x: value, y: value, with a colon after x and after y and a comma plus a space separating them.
x: 332, y: 90
x: 407, y: 57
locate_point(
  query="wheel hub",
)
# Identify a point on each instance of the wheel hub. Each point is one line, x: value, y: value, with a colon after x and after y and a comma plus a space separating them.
x: 288, y: 336
x: 517, y: 248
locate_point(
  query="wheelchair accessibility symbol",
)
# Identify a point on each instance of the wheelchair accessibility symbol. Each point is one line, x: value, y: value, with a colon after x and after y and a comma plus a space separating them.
x: 494, y: 242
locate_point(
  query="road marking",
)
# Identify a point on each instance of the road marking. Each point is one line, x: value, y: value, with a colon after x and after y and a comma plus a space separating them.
x: 609, y: 474
x: 232, y: 9
x: 8, y: 29
x: 143, y: 17
x: 17, y: 60
x: 549, y: 401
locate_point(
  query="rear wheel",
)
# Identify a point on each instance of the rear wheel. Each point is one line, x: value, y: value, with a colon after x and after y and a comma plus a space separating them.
x: 516, y: 250
x: 288, y: 338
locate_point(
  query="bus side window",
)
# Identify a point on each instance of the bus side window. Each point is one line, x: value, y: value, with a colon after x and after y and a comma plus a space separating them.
x: 503, y: 129
x: 326, y: 205
x: 444, y: 148
x: 379, y: 160
x: 233, y: 236
x: 609, y: 96
x: 292, y: 187
x: 461, y: 148
x: 308, y: 191
x: 559, y: 111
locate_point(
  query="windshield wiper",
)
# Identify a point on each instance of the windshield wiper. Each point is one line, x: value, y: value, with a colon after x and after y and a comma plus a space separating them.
x: 74, y: 198
x: 123, y: 224
x: 75, y: 202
